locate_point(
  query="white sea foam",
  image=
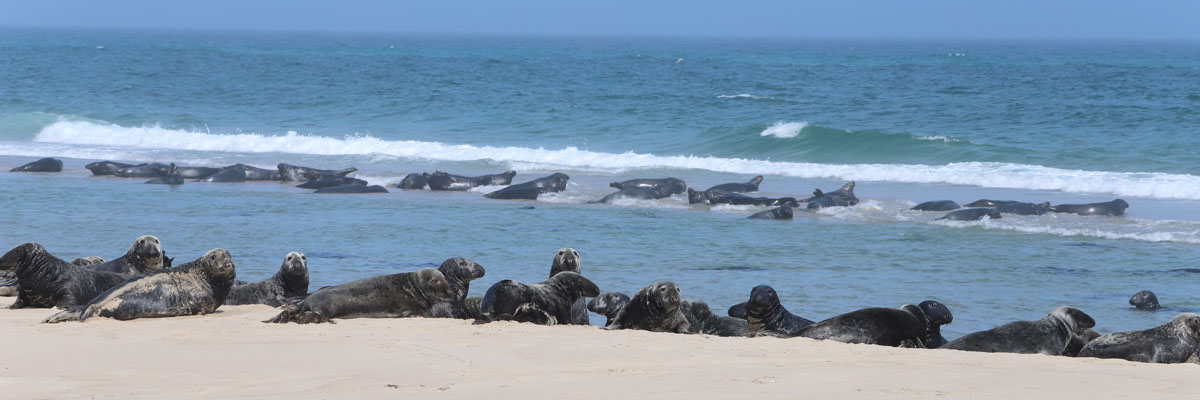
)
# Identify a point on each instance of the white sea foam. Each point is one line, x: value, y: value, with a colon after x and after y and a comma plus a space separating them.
x: 111, y: 140
x: 937, y: 138
x: 784, y: 130
x: 744, y: 96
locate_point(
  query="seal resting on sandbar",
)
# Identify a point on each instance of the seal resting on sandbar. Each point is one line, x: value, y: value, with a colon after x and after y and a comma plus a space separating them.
x: 704, y: 321
x: 843, y: 197
x: 443, y: 181
x: 937, y: 205
x: 46, y: 281
x: 459, y: 273
x: 106, y: 167
x: 1110, y: 208
x: 325, y: 182
x: 783, y: 212
x: 637, y: 192
x: 553, y: 183
x: 751, y: 186
x: 937, y: 314
x: 1144, y: 300
x: 905, y: 326
x: 352, y: 189
x: 43, y: 165
x: 230, y: 174
x: 289, y: 283
x: 654, y: 308
x: 197, y: 287
x: 152, y: 170
x: 985, y: 203
x: 172, y: 178
x: 1173, y: 342
x: 293, y: 173
x: 146, y: 255
x: 670, y: 185
x: 1023, y: 208
x: 1049, y: 335
x: 970, y: 214
x: 766, y: 315
x: 412, y: 182
x: 608, y: 304
x: 546, y: 303
x: 714, y: 197
x: 86, y: 261
x: 407, y: 294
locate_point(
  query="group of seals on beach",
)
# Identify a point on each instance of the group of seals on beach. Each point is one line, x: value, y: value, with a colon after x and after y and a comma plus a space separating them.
x: 993, y: 209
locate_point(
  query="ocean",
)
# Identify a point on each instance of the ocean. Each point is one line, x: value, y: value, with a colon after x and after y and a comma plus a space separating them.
x: 907, y: 120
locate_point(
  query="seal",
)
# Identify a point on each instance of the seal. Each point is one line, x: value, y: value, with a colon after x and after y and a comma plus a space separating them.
x: 546, y: 303
x: 783, y: 212
x: 292, y: 173
x: 671, y: 185
x: 637, y: 192
x: 43, y: 165
x: 195, y: 288
x: 1049, y: 335
x: 290, y: 282
x: 567, y: 259
x: 843, y: 197
x: 970, y: 214
x: 766, y: 315
x: 352, y: 189
x: 989, y: 203
x: 937, y: 314
x: 100, y: 168
x: 702, y: 320
x: 412, y: 182
x: 151, y: 170
x: 905, y: 326
x: 46, y: 281
x: 1144, y: 300
x: 937, y: 205
x: 230, y: 174
x: 654, y: 308
x: 172, y: 178
x: 443, y: 181
x: 751, y: 186
x: 1111, y: 208
x: 8, y: 284
x: 408, y: 294
x: 86, y: 261
x: 256, y: 173
x: 331, y: 182
x: 459, y: 273
x: 1170, y: 343
x: 608, y: 304
x: 554, y: 183
x: 144, y: 256
x: 196, y: 172
x: 714, y: 197
x: 1077, y: 342
x: 1023, y: 208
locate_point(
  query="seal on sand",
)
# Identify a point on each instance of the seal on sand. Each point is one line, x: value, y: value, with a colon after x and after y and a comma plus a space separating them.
x: 1049, y: 335
x: 43, y: 165
x: 289, y: 283
x: 459, y: 273
x: 1173, y: 342
x: 408, y: 294
x: 546, y: 303
x: 653, y: 308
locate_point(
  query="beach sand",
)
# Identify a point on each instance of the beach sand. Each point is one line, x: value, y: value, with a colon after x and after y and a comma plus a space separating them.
x: 231, y: 354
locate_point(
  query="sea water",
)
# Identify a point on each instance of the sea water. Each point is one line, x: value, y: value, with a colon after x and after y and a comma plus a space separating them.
x: 909, y: 121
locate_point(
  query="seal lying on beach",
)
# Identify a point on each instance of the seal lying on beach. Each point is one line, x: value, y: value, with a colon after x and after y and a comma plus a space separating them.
x: 971, y: 214
x: 937, y: 205
x: 843, y: 197
x: 1049, y: 335
x: 197, y: 287
x: 1111, y: 208
x: 937, y: 314
x: 172, y: 177
x: 905, y: 326
x: 546, y: 303
x: 751, y: 186
x: 151, y: 170
x: 251, y: 173
x: 554, y: 183
x: 86, y: 261
x: 1173, y: 342
x: 43, y: 165
x: 702, y: 320
x: 106, y: 167
x: 196, y: 172
x: 669, y: 185
x: 783, y: 212
x: 714, y: 197
x: 146, y: 255
x: 766, y: 315
x: 443, y: 181
x: 293, y: 173
x: 411, y: 182
x: 408, y: 294
x: 290, y: 282
x: 230, y: 174
x: 654, y: 308
x: 45, y: 281
x: 1144, y: 300
x: 459, y: 273
x: 608, y: 304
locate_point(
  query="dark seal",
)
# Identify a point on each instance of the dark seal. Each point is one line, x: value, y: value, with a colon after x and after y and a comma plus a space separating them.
x: 783, y: 212
x: 230, y: 174
x: 443, y: 181
x: 546, y: 303
x: 702, y: 320
x: 937, y: 205
x: 1170, y: 343
x: 1079, y: 341
x: 1049, y: 335
x: 195, y: 288
x: 331, y: 182
x: 843, y: 197
x: 714, y: 197
x: 1023, y: 208
x: 751, y: 186
x: 43, y: 165
x: 669, y: 185
x: 937, y: 314
x: 567, y: 259
x: 152, y: 170
x: 459, y: 273
x: 100, y: 168
x: 971, y: 214
x: 985, y: 203
x: 905, y: 326
x: 1144, y: 300
x: 767, y: 316
x: 145, y: 256
x: 608, y: 304
x: 1111, y: 208
x: 408, y: 294
x: 172, y: 178
x: 46, y: 281
x: 290, y: 282
x: 554, y: 183
x: 412, y: 182
x: 352, y: 189
x: 293, y: 173
x: 637, y: 192
x: 654, y: 308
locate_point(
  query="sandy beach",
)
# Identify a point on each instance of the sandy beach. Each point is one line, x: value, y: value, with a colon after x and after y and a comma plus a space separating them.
x: 230, y: 354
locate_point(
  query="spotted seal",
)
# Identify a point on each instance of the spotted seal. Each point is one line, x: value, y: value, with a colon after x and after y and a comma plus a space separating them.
x: 714, y: 197
x: 293, y: 173
x: 668, y: 185
x: 653, y: 308
x: 86, y: 261
x: 144, y: 256
x: 459, y: 273
x: 1173, y: 342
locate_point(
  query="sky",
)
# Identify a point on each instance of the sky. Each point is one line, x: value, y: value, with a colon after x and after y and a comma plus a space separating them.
x: 957, y: 19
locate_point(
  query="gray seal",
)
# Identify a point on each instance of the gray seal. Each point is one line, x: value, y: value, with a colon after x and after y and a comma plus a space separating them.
x: 567, y: 259
x: 230, y: 174
x: 352, y: 189
x: 412, y: 182
x: 86, y: 261
x: 196, y: 172
x: 1173, y: 342
x: 1113, y: 208
x: 637, y: 192
x: 43, y: 165
x: 459, y: 273
x: 293, y: 173
x: 971, y: 214
x: 144, y: 256
x: 8, y: 284
x: 937, y: 314
x: 195, y: 288
x: 408, y: 294
x: 546, y: 303
x: 256, y: 173
x: 1023, y: 208
x: 608, y: 304
x: 905, y: 327
x: 751, y: 186
x: 1049, y: 335
x: 668, y: 185
x: 783, y: 212
x: 290, y: 282
x: 100, y: 168
x: 1144, y: 300
x: 985, y: 203
x: 767, y: 316
x: 443, y: 181
x: 843, y: 197
x: 554, y: 183
x: 45, y: 281
x: 152, y: 170
x: 702, y: 320
x: 714, y: 197
x: 937, y: 205
x: 654, y: 308
x: 172, y: 178
x: 331, y: 182
x: 1079, y: 341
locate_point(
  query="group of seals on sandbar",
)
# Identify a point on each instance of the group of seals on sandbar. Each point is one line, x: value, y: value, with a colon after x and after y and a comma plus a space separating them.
x: 993, y: 209
x: 143, y: 284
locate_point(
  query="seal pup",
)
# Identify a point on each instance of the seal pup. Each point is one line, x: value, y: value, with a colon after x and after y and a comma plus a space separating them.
x: 86, y: 261
x: 230, y: 174
x: 45, y: 281
x: 412, y: 182
x: 654, y: 308
x: 553, y: 183
x: 293, y: 173
x: 151, y: 170
x: 1023, y: 208
x: 443, y: 181
x: 407, y: 294
x: 1144, y: 300
x: 843, y: 197
x: 985, y: 203
x: 970, y: 214
x: 195, y: 288
x: 704, y: 321
x: 322, y: 183
x: 714, y: 197
x: 289, y: 283
x: 905, y: 326
x: 546, y: 303
x: 1113, y: 208
x: 608, y: 304
x: 937, y: 314
x: 670, y: 185
x: 751, y: 186
x: 1049, y: 335
x: 43, y: 165
x: 1170, y: 343
x: 937, y: 205
x: 353, y: 189
x: 172, y: 178
x: 766, y: 315
x: 99, y: 168
x: 459, y: 273
x: 783, y: 212
x: 144, y: 256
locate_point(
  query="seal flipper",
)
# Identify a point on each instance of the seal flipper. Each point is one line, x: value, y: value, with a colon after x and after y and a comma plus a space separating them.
x: 74, y: 313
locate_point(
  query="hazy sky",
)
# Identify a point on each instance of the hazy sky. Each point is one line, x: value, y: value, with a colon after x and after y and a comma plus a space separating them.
x: 1167, y: 19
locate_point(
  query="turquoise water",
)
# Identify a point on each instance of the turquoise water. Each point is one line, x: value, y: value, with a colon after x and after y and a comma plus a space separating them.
x: 910, y: 121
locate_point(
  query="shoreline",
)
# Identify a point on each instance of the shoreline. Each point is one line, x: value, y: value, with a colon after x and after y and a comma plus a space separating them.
x: 232, y: 354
